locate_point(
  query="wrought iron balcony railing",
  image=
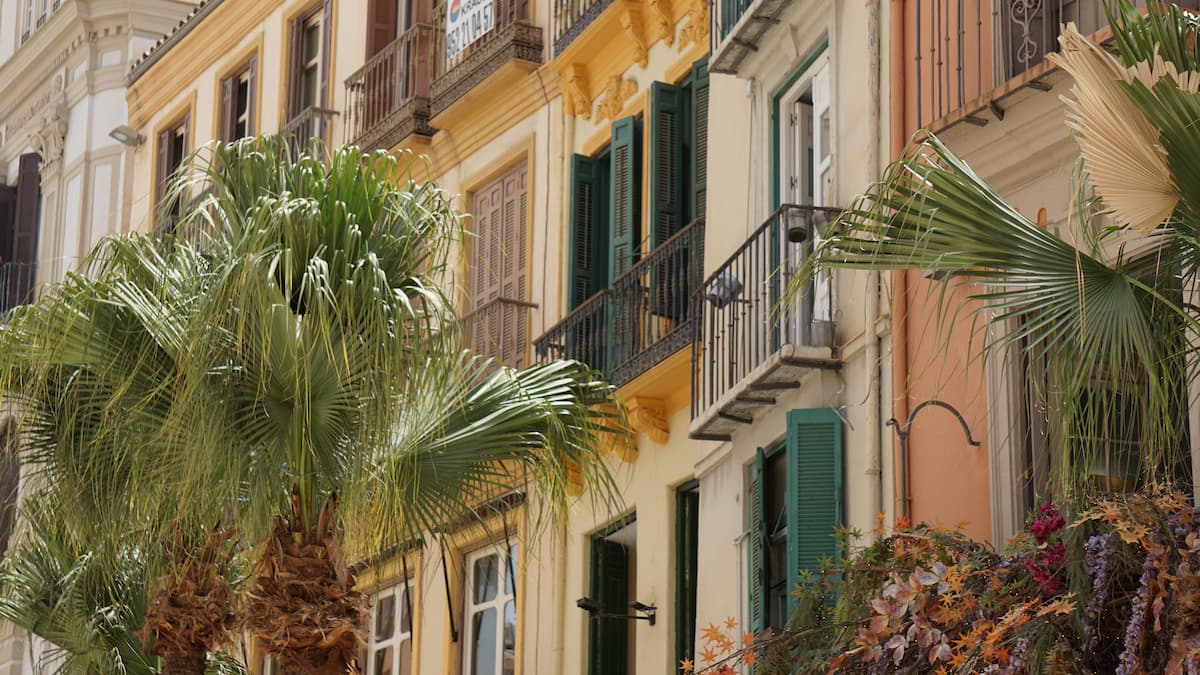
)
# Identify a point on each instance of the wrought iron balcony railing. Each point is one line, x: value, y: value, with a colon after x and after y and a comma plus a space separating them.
x: 512, y: 37
x: 499, y: 329
x: 310, y: 123
x: 746, y: 336
x: 645, y: 317
x: 388, y: 98
x: 960, y: 51
x: 740, y: 26
x: 571, y: 17
x: 18, y: 281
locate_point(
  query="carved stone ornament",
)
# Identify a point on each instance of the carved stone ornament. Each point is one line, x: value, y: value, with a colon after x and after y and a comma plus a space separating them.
x: 49, y: 134
x: 575, y: 87
x: 649, y: 417
x: 663, y: 26
x: 616, y: 92
x: 631, y: 21
x: 696, y: 31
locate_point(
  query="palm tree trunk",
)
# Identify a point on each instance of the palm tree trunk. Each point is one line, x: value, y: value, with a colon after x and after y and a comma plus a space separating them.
x: 185, y: 664
x: 303, y: 606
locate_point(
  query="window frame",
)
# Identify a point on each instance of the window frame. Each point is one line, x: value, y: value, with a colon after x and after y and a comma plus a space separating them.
x: 402, y: 591
x: 165, y: 164
x: 506, y: 552
x: 228, y: 118
x: 321, y: 13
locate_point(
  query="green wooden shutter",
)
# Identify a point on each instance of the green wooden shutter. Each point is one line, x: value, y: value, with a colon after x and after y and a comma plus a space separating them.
x: 757, y: 538
x: 699, y: 174
x: 666, y: 202
x: 687, y: 535
x: 814, y: 490
x: 587, y: 261
x: 609, y: 637
x: 625, y: 200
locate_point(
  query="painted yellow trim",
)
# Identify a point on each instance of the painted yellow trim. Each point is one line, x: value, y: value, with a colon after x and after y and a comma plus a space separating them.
x: 668, y: 381
x: 185, y: 109
x: 637, y: 105
x: 234, y: 66
x: 180, y: 68
x: 465, y: 541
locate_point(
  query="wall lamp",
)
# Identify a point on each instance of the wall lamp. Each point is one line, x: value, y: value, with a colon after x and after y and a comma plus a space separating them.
x: 724, y: 290
x: 594, y: 609
x: 126, y: 135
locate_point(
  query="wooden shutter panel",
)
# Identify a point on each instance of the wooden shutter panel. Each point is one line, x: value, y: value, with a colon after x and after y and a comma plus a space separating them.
x: 326, y: 46
x: 228, y: 108
x: 381, y: 25
x: 296, y: 58
x: 8, y: 221
x: 28, y: 208
x: 626, y: 197
x: 164, y: 165
x: 699, y: 138
x: 610, y: 588
x: 687, y: 534
x: 665, y: 201
x: 252, y: 96
x: 757, y: 578
x: 814, y: 490
x: 585, y: 259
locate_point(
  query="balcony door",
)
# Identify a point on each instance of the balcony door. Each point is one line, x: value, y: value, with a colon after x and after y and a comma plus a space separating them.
x: 496, y: 324
x: 806, y: 178
x: 386, y: 21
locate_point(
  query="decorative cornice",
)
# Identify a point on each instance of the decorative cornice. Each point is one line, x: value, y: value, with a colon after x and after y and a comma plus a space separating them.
x: 575, y: 88
x: 631, y: 22
x: 49, y: 136
x: 648, y: 416
x: 615, y: 94
x: 664, y: 26
x: 697, y: 29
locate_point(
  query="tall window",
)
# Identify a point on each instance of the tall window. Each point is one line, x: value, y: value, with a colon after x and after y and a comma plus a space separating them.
x: 389, y: 650
x: 794, y: 506
x: 490, y: 612
x: 805, y: 157
x: 172, y: 148
x: 34, y: 13
x: 497, y: 323
x: 687, y: 560
x: 310, y: 59
x: 238, y: 93
x: 614, y: 551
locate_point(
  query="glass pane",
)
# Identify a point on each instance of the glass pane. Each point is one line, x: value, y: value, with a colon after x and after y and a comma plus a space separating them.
x: 510, y: 638
x: 385, y: 617
x: 486, y: 578
x: 308, y: 86
x: 510, y: 570
x: 312, y: 41
x: 405, y: 619
x: 483, y: 642
x: 382, y: 663
x: 405, y: 658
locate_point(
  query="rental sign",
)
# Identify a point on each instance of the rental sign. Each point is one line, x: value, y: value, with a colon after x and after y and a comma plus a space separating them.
x: 468, y: 21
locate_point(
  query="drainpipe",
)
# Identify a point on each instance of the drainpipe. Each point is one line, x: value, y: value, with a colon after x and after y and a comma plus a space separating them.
x: 560, y: 561
x: 875, y: 368
x: 899, y: 278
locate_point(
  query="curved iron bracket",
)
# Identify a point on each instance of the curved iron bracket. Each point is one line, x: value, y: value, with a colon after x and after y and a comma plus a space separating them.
x: 903, y: 433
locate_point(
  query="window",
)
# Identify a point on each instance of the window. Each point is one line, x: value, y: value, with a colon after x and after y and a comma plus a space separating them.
x: 386, y: 19
x: 497, y: 325
x: 687, y: 558
x: 172, y: 148
x: 795, y: 504
x: 389, y: 649
x: 490, y: 612
x: 238, y: 98
x: 310, y: 60
x: 806, y: 177
x: 34, y: 13
x: 612, y: 588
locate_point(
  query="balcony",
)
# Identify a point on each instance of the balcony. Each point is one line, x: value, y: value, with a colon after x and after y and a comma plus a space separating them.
x: 738, y: 27
x: 644, y: 318
x: 571, y: 17
x: 749, y: 349
x: 964, y: 57
x: 18, y: 280
x: 387, y: 100
x: 499, y: 329
x: 311, y: 123
x: 513, y: 38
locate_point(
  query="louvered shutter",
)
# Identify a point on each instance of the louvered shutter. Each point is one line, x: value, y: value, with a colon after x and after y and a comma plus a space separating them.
x: 513, y: 263
x: 381, y: 25
x: 164, y: 165
x: 666, y: 199
x: 625, y: 197
x: 610, y: 588
x: 699, y: 138
x: 295, y: 102
x: 757, y: 578
x: 228, y: 108
x: 814, y: 490
x: 252, y: 96
x: 326, y: 46
x: 587, y: 260
x: 8, y: 221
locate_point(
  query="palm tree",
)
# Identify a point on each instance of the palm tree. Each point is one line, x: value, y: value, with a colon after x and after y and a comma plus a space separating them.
x: 1116, y: 303
x: 284, y: 365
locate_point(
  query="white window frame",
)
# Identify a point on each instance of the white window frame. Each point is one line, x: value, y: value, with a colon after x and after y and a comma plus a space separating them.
x: 316, y: 60
x: 401, y: 593
x: 504, y: 595
x: 806, y: 128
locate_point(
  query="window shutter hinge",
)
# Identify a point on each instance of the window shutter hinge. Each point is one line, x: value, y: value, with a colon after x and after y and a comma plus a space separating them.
x: 792, y: 119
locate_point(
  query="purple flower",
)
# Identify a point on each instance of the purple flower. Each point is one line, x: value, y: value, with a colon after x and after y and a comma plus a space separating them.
x: 1097, y: 560
x: 1136, y: 628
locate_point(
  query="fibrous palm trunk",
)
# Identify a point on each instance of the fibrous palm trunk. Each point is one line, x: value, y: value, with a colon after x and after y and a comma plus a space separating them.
x: 303, y: 607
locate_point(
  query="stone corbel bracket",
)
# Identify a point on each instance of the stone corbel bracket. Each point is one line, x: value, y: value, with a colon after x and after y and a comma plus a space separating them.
x: 649, y: 416
x: 616, y: 93
x: 663, y: 26
x: 575, y: 87
x: 631, y: 21
x: 696, y: 31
